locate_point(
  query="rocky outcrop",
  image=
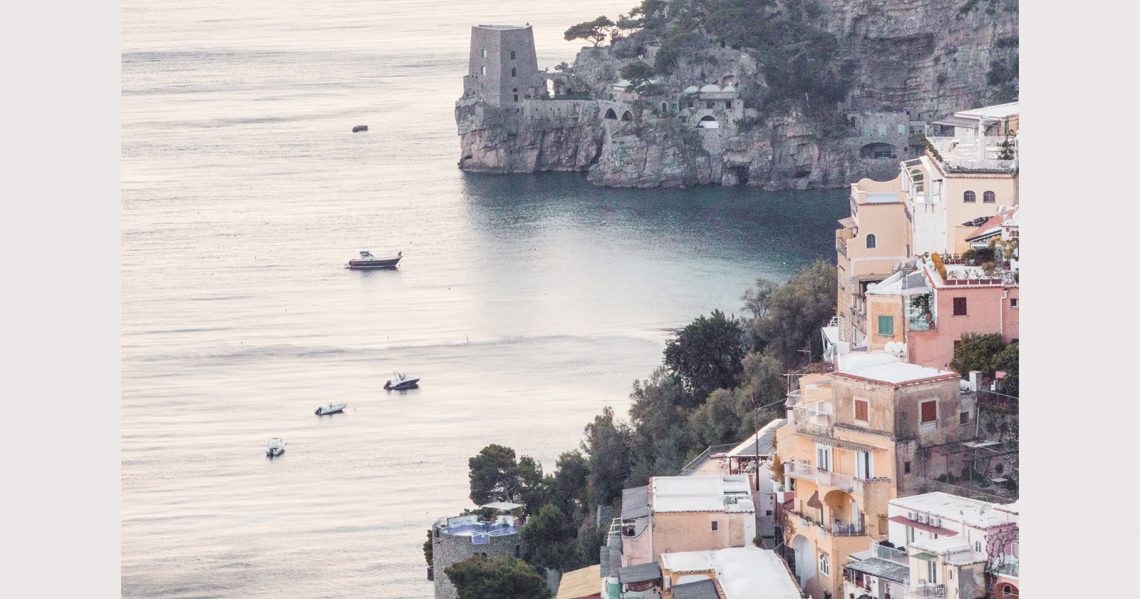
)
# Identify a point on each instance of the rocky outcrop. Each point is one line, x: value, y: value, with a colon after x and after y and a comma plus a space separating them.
x: 910, y: 61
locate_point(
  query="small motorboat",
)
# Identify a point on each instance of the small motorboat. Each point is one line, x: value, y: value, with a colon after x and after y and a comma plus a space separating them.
x: 359, y: 128
x: 369, y: 262
x: 401, y: 382
x: 275, y: 447
x: 332, y: 408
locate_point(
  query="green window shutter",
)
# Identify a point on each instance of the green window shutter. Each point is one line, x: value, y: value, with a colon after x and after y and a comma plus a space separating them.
x: 887, y: 326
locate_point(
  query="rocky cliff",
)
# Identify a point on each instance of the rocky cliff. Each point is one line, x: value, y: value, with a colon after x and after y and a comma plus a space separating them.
x: 791, y: 94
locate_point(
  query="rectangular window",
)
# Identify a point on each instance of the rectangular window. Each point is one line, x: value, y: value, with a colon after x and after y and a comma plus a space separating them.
x: 906, y: 467
x: 1013, y: 302
x: 710, y: 104
x: 728, y: 104
x: 929, y: 411
x: 964, y: 417
x: 887, y: 326
x: 932, y: 572
x: 714, y: 524
x: 959, y: 306
x: 861, y: 410
x: 909, y: 535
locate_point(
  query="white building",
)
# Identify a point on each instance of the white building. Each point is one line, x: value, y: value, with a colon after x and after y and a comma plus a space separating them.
x: 739, y: 572
x: 938, y: 515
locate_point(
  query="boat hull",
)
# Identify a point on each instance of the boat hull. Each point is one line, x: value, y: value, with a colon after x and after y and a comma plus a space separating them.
x: 330, y: 410
x: 404, y: 385
x: 272, y: 453
x: 388, y: 264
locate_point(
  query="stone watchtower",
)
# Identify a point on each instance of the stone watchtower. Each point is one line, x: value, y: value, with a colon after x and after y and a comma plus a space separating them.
x: 503, y: 68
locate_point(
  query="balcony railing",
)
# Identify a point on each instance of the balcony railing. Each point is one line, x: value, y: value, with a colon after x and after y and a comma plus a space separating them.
x: 833, y: 527
x: 922, y: 590
x: 888, y: 553
x: 845, y: 482
x: 814, y: 418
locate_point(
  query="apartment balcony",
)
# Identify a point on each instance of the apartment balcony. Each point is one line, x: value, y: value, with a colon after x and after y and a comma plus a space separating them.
x: 826, y: 478
x: 835, y: 528
x: 815, y: 418
x: 922, y: 590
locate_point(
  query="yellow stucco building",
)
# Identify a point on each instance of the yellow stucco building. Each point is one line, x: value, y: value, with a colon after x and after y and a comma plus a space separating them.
x: 855, y: 439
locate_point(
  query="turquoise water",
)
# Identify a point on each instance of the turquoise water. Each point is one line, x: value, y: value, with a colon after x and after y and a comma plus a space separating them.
x: 526, y: 303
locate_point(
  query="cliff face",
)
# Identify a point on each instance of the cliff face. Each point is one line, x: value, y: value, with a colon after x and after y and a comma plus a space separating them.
x: 908, y: 61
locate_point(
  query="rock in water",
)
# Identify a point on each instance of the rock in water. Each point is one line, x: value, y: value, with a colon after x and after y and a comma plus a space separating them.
x: 359, y: 128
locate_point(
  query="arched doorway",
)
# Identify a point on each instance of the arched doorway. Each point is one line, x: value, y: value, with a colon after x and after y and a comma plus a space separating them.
x: 708, y: 122
x: 627, y: 116
x: 804, y: 559
x: 610, y: 114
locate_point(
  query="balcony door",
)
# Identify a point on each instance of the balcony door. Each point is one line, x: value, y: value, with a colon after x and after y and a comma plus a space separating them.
x: 823, y: 457
x: 863, y: 465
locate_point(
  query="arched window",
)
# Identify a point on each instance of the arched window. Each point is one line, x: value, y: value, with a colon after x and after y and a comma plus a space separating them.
x: 969, y: 197
x: 823, y: 565
x: 1007, y: 589
x: 916, y: 178
x: 989, y: 197
x: 483, y: 53
x: 514, y: 72
x: 482, y: 70
x: 627, y: 116
x: 610, y: 114
x: 871, y: 241
x: 512, y: 54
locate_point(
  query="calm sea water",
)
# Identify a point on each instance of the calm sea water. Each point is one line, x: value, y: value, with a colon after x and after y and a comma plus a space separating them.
x: 526, y: 303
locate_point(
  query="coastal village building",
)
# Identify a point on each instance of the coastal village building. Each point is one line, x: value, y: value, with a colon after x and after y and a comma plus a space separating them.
x: 925, y: 312
x: 937, y: 515
x: 736, y: 573
x: 581, y: 584
x: 856, y: 439
x: 936, y: 204
x: 881, y: 572
x: 685, y: 513
x: 949, y: 568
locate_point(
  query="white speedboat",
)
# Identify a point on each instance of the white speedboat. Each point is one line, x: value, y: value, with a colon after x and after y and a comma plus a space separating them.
x: 401, y: 382
x: 275, y: 447
x: 369, y: 262
x: 332, y: 408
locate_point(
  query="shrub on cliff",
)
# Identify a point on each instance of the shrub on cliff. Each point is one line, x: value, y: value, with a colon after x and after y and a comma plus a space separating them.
x: 502, y: 578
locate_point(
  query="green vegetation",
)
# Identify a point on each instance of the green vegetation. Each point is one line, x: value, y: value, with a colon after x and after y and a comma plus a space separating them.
x: 502, y: 578
x: 720, y: 379
x: 706, y: 354
x: 638, y: 73
x: 987, y: 354
x: 799, y: 60
x: 496, y: 476
x: 593, y: 31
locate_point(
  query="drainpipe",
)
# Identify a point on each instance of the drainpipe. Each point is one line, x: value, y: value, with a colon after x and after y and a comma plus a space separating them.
x: 1001, y: 312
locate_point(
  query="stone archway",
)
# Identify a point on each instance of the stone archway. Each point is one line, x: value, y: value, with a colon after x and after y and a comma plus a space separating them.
x: 708, y: 122
x: 878, y: 150
x: 627, y: 116
x: 610, y: 114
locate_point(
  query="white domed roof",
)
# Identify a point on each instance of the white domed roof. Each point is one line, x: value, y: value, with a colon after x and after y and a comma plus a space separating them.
x: 692, y: 89
x: 710, y: 88
x: 729, y: 88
